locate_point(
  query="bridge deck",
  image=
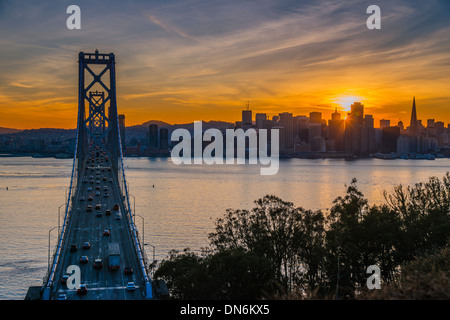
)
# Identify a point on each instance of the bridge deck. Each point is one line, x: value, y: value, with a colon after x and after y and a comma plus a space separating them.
x: 102, y: 284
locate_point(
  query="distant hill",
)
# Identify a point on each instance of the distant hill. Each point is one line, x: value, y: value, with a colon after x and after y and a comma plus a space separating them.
x: 137, y: 131
x: 140, y: 131
x: 161, y: 124
x: 8, y: 130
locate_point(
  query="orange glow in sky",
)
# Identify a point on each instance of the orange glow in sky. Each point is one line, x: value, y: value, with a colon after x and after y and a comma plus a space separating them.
x: 180, y: 62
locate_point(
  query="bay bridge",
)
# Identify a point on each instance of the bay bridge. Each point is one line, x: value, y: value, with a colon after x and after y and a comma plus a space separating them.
x: 98, y: 235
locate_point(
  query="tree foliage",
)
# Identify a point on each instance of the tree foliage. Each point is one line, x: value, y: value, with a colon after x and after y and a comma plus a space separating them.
x: 309, y: 254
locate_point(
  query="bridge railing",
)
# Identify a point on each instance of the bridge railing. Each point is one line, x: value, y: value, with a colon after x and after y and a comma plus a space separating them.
x: 137, y: 244
x: 70, y: 201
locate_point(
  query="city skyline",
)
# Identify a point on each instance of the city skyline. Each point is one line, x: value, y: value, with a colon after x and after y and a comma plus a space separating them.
x: 182, y: 61
x: 341, y: 136
x: 378, y: 121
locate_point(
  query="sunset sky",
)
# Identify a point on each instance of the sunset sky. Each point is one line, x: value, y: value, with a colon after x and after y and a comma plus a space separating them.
x: 184, y: 60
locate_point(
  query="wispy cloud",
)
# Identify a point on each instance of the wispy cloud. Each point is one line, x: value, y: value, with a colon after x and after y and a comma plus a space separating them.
x: 21, y: 85
x: 169, y: 28
x: 210, y: 54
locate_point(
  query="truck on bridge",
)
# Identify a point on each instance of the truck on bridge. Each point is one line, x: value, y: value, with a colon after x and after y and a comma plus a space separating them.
x: 113, y: 256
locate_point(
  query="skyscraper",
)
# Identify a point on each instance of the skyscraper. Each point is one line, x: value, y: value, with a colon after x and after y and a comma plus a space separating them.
x: 370, y: 131
x: 357, y: 112
x: 287, y: 136
x: 389, y: 137
x: 315, y: 117
x: 335, y: 115
x: 385, y: 123
x: 413, y: 125
x: 247, y: 118
x: 301, y: 128
x: 259, y: 120
x: 163, y: 138
x: 336, y: 130
x: 353, y: 129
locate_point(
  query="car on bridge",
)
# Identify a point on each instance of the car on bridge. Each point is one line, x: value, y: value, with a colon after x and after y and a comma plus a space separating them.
x: 99, y: 214
x: 84, y: 259
x: 73, y: 248
x: 116, y: 207
x: 113, y: 256
x: 106, y: 233
x: 108, y: 212
x: 86, y: 245
x: 98, y: 206
x: 62, y: 296
x: 98, y: 264
x: 64, y: 279
x: 82, y: 290
x: 128, y: 270
x: 131, y: 286
x: 89, y: 208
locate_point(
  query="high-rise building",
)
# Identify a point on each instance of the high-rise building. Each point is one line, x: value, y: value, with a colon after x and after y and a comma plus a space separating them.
x: 353, y: 127
x: 259, y: 120
x: 414, y: 124
x: 286, y: 121
x: 246, y: 118
x: 385, y: 123
x: 153, y: 135
x: 369, y: 121
x: 275, y: 120
x: 163, y: 138
x: 315, y: 117
x: 335, y: 116
x: 389, y: 139
x: 357, y: 112
x: 301, y: 128
x: 403, y: 145
x: 315, y: 131
x: 336, y: 128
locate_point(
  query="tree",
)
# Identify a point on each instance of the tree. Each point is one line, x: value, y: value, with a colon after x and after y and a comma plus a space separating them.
x: 227, y: 274
x: 309, y: 254
x: 267, y: 230
x: 425, y: 213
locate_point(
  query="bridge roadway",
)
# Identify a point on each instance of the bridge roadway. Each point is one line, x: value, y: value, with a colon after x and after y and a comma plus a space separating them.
x: 102, y: 284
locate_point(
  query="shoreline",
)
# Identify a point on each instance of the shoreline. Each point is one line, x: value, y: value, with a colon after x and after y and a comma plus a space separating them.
x: 282, y: 157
